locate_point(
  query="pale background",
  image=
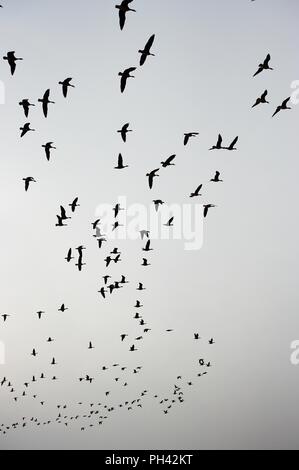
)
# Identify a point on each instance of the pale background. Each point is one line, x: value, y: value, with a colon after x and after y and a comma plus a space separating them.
x: 241, y: 288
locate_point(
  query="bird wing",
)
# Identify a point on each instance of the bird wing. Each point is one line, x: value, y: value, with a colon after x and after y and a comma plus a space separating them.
x: 206, y: 210
x: 234, y: 143
x: 149, y: 43
x: 171, y: 220
x: 46, y: 95
x: 277, y: 111
x: 65, y: 88
x: 186, y: 139
x: 47, y: 150
x: 63, y: 212
x: 267, y: 60
x: 12, y: 65
x: 27, y: 184
x: 219, y: 142
x: 45, y: 108
x: 285, y: 102
x: 123, y: 82
x: 264, y: 94
x: 143, y: 59
x: 122, y: 19
x: 120, y: 160
x: 198, y: 189
x: 260, y: 69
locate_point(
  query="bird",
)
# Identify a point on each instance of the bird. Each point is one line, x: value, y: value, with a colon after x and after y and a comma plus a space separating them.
x: 123, y: 337
x: 26, y: 105
x: 151, y: 176
x: 196, y: 336
x: 188, y: 135
x: 147, y: 50
x: 264, y: 66
x: 124, y: 77
x: 45, y: 102
x: 116, y: 210
x: 207, y: 207
x: 90, y: 345
x: 211, y: 341
x: 63, y: 308
x: 5, y: 316
x: 232, y: 145
x: 39, y: 314
x: 120, y: 163
x: 12, y: 61
x: 80, y: 250
x: 25, y: 129
x: 261, y: 99
x: 124, y: 131
x: 95, y: 224
x: 147, y: 246
x: 103, y: 291
x: 66, y: 84
x: 34, y: 353
x: 158, y: 203
x: 216, y: 178
x: 140, y: 286
x: 28, y: 180
x: 197, y: 191
x: 145, y: 262
x: 48, y: 147
x: 168, y: 162
x: 283, y: 106
x: 101, y: 241
x: 80, y: 264
x: 74, y: 204
x: 69, y: 256
x: 132, y: 348
x: 123, y: 10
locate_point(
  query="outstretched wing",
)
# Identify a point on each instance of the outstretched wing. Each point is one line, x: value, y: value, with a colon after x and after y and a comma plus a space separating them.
x: 267, y: 60
x: 149, y: 43
x: 285, y: 102
x: 122, y: 19
x: 186, y: 139
x: 264, y: 94
x: 12, y: 65
x: 233, y: 143
x: 260, y: 69
x: 120, y: 160
x: 45, y: 108
x: 170, y: 159
x: 219, y: 141
x: 123, y: 83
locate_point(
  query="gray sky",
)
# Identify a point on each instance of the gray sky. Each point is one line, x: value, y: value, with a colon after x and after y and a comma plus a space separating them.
x: 240, y: 288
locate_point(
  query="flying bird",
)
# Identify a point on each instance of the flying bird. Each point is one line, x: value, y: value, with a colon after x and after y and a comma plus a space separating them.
x: 28, y: 180
x: 147, y: 50
x: 283, y: 106
x: 188, y: 136
x: 124, y: 131
x: 74, y: 204
x: 120, y: 163
x: 151, y: 176
x: 264, y: 66
x: 261, y: 99
x: 124, y: 77
x: 26, y: 105
x: 12, y: 61
x: 216, y: 178
x: 218, y: 146
x: 45, y: 102
x: 196, y: 192
x: 69, y: 256
x: 25, y: 129
x: 170, y: 222
x: 207, y: 207
x: 48, y: 147
x: 66, y: 84
x: 123, y: 10
x: 158, y: 203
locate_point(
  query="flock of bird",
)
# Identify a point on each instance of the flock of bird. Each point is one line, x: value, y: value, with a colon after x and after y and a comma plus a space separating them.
x: 94, y: 414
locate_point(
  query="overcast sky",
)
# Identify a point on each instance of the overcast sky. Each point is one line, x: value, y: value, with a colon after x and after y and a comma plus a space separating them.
x: 240, y: 288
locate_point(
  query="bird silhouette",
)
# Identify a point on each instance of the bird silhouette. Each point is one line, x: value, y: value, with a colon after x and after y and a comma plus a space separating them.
x: 63, y: 308
x: 216, y: 178
x: 28, y: 180
x: 151, y: 176
x: 170, y: 222
x: 45, y: 102
x: 197, y: 191
x: 283, y: 106
x: 48, y: 147
x: 207, y: 207
x: 120, y: 163
x: 69, y: 256
x: 12, y: 61
x: 147, y: 50
x: 123, y: 10
x: 168, y: 162
x: 124, y: 131
x: 158, y: 203
x: 25, y: 129
x: 261, y: 99
x: 124, y: 77
x: 74, y: 204
x: 218, y: 146
x: 147, y: 246
x: 66, y: 84
x: 26, y: 106
x: 264, y: 66
x: 188, y: 136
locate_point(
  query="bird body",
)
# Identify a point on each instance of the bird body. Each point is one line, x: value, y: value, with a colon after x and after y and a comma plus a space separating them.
x: 124, y: 77
x: 123, y: 10
x: 12, y: 61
